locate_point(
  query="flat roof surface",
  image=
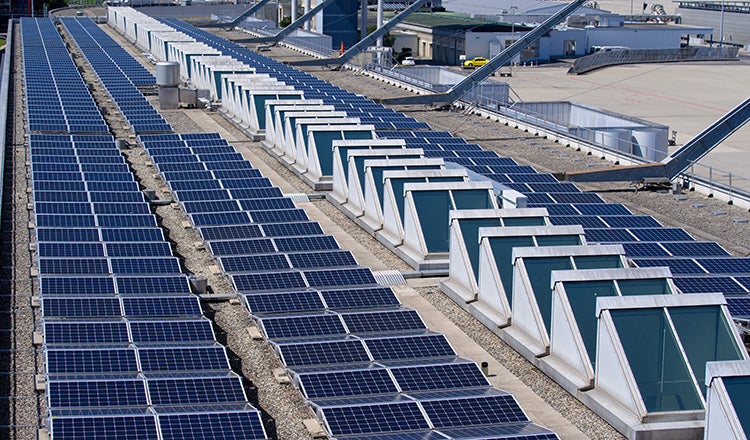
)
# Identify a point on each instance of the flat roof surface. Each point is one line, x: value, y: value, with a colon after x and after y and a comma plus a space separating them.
x: 687, y: 97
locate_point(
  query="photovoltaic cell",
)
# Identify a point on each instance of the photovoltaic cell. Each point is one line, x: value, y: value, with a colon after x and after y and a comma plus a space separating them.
x: 302, y: 326
x: 708, y: 284
x: 104, y: 428
x: 323, y: 353
x: 366, y: 419
x: 194, y: 391
x: 146, y: 285
x: 439, y: 377
x: 474, y: 411
x: 80, y: 333
x: 183, y: 360
x: 305, y: 301
x: 375, y: 297
x: 83, y: 285
x: 384, y: 322
x: 162, y: 306
x: 410, y: 347
x: 75, y: 394
x: 81, y: 307
x: 99, y: 361
x: 268, y: 281
x: 339, y: 277
x: 347, y: 383
x: 171, y: 332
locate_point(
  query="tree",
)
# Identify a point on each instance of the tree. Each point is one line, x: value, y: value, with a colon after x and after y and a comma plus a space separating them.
x: 388, y: 39
x: 286, y: 21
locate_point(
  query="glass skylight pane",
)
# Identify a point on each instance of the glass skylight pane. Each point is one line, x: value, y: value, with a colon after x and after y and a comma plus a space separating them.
x: 738, y: 389
x: 524, y: 221
x: 502, y: 248
x: 472, y: 199
x: 597, y: 261
x: 558, y: 240
x: 582, y: 298
x: 659, y: 369
x: 539, y: 272
x: 705, y: 337
x: 644, y: 287
x: 470, y: 231
x: 432, y: 209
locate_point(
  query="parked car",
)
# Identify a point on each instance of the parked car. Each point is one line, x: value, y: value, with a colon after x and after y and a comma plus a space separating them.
x: 408, y: 61
x: 475, y: 62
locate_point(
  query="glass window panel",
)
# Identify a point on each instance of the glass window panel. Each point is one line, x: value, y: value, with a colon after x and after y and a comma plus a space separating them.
x: 524, y: 221
x: 472, y: 199
x: 738, y: 389
x: 558, y: 240
x: 324, y: 144
x: 582, y: 298
x: 705, y: 337
x: 597, y: 261
x: 357, y: 135
x: 432, y: 209
x: 398, y: 192
x: 470, y: 231
x: 539, y: 271
x: 644, y: 287
x: 502, y: 248
x: 659, y: 369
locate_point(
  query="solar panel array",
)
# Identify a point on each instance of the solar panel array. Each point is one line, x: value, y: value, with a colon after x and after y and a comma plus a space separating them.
x: 119, y: 73
x: 331, y: 324
x: 57, y: 100
x: 128, y: 352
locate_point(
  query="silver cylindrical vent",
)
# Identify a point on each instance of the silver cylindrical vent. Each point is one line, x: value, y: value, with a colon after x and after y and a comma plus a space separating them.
x: 168, y: 74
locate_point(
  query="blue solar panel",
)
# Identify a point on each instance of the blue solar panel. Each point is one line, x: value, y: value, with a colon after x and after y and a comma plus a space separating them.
x: 183, y: 360
x: 305, y: 301
x: 268, y: 281
x: 739, y: 306
x: 728, y: 265
x: 439, y: 377
x: 70, y: 250
x: 149, y: 249
x: 290, y: 327
x: 695, y: 249
x: 323, y: 353
x: 132, y: 235
x: 171, y: 332
x: 374, y: 297
x: 644, y: 249
x: 196, y: 391
x: 104, y: 428
x: 129, y: 266
x: 307, y: 260
x: 346, y: 383
x: 84, y: 285
x: 81, y: 333
x: 96, y: 393
x: 73, y: 266
x: 81, y: 307
x: 242, y: 247
x: 677, y: 266
x: 708, y: 284
x: 339, y: 277
x: 254, y: 263
x: 393, y: 321
x: 219, y: 426
x: 661, y: 234
x: 145, y: 285
x: 291, y: 229
x: 410, y: 347
x: 473, y: 411
x: 162, y: 306
x: 365, y: 419
x: 230, y: 232
x: 99, y: 361
x: 608, y: 235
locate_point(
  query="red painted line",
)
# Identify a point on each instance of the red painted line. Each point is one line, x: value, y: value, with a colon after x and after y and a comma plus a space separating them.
x: 638, y: 92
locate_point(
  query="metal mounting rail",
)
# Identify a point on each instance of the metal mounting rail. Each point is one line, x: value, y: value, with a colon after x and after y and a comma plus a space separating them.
x: 364, y: 43
x: 677, y: 162
x: 456, y: 92
x: 253, y: 9
x: 296, y: 24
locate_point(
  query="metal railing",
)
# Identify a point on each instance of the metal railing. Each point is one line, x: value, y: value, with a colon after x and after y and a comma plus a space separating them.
x: 7, y: 58
x: 638, y: 56
x: 734, y: 186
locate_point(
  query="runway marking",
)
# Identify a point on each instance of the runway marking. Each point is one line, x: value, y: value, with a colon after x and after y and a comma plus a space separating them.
x: 653, y: 95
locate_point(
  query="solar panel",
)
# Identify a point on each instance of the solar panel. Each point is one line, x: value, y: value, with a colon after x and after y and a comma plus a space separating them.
x: 739, y: 306
x: 439, y: 377
x: 608, y: 235
x: 339, y: 277
x: 726, y: 265
x: 708, y: 284
x: 290, y: 327
x: 159, y: 285
x: 75, y: 394
x: 410, y: 347
x: 268, y: 281
x: 81, y: 333
x: 241, y: 247
x: 148, y: 249
x: 310, y: 243
x: 99, y: 361
x: 170, y: 332
x: 161, y: 306
x: 644, y: 249
x: 365, y: 419
x: 84, y: 285
x: 695, y: 249
x: 392, y: 321
x: 254, y: 263
x: 323, y: 353
x: 73, y: 266
x: 183, y: 359
x: 214, y: 425
x: 292, y: 229
x: 126, y: 427
x: 661, y: 234
x: 472, y: 411
x: 675, y: 265
x: 230, y: 232
x: 129, y: 266
x: 132, y: 235
x: 346, y: 383
x: 307, y: 260
x: 81, y: 307
x: 194, y: 391
x: 374, y: 297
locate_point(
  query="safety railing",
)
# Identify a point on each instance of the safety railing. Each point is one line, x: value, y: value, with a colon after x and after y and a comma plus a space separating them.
x: 639, y: 56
